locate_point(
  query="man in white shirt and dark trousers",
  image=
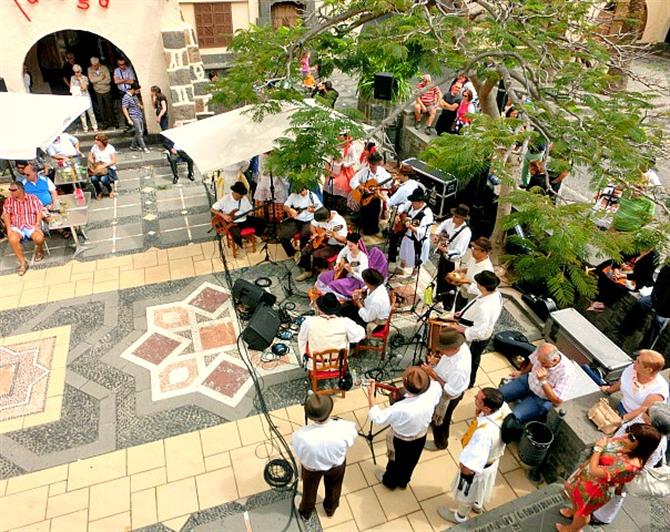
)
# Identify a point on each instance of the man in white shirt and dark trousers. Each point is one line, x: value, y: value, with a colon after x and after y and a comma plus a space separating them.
x: 478, y: 261
x: 452, y: 372
x: 370, y: 214
x: 373, y: 309
x: 322, y: 450
x: 452, y: 239
x: 414, y: 240
x: 408, y: 419
x: 405, y: 188
x: 234, y: 204
x: 314, y: 261
x: 478, y: 318
x: 478, y: 462
x: 300, y: 208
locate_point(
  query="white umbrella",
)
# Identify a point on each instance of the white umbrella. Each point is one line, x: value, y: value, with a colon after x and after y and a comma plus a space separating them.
x: 29, y: 121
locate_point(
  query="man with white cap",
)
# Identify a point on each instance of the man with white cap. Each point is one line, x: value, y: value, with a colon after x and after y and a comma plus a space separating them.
x: 322, y: 450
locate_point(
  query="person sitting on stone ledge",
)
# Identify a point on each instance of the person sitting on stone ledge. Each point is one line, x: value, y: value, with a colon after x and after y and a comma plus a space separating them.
x: 641, y: 384
x: 541, y: 383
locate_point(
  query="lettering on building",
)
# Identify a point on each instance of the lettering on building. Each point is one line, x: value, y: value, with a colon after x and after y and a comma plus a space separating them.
x: 79, y: 4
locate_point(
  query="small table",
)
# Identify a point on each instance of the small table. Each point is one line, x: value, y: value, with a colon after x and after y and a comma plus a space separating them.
x: 71, y: 174
x: 72, y: 216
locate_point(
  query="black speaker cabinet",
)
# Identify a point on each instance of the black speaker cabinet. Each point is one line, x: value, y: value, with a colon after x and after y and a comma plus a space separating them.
x: 384, y: 86
x: 250, y: 295
x: 262, y: 328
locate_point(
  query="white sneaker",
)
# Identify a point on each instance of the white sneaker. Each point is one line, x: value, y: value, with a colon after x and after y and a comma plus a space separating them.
x: 379, y: 474
x: 450, y: 515
x: 430, y: 446
x: 477, y: 509
x: 146, y: 150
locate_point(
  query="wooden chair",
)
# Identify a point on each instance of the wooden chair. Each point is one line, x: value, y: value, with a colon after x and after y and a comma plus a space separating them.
x: 248, y: 234
x: 326, y: 365
x: 378, y: 341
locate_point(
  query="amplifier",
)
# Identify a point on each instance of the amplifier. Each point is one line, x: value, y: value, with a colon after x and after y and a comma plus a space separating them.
x: 444, y: 186
x: 583, y: 342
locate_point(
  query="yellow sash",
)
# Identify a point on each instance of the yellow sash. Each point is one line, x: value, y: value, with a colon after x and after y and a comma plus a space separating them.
x: 474, y: 425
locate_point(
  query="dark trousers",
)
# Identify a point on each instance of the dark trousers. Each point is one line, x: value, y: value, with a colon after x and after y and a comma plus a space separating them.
x: 442, y: 287
x: 441, y: 432
x: 394, y: 245
x: 290, y: 227
x: 476, y: 350
x: 369, y: 216
x: 316, y: 261
x: 332, y: 480
x: 165, y: 122
x: 106, y: 108
x: 399, y: 471
x: 252, y: 221
x: 180, y: 156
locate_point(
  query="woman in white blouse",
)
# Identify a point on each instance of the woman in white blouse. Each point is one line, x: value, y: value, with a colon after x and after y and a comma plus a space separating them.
x: 350, y: 263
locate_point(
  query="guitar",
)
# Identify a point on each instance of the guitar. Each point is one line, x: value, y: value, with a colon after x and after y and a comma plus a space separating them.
x: 222, y: 226
x: 298, y: 210
x: 369, y: 190
x: 359, y: 295
x: 395, y: 394
x: 321, y: 235
x: 403, y: 221
x: 340, y: 272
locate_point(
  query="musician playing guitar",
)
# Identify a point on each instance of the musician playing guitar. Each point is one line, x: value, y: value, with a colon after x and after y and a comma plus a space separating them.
x: 328, y: 235
x: 229, y: 214
x: 370, y: 306
x: 366, y: 183
x: 300, y: 208
x: 451, y: 242
x: 412, y: 231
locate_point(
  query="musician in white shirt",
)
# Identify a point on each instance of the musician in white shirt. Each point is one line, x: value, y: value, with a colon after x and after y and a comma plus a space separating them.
x: 408, y: 419
x: 414, y: 240
x: 234, y: 208
x: 452, y: 371
x: 478, y: 462
x: 314, y: 261
x: 478, y: 318
x: 451, y: 239
x: 327, y: 330
x: 407, y: 186
x: 369, y: 215
x: 372, y: 310
x: 300, y: 208
x: 477, y: 261
x: 322, y: 450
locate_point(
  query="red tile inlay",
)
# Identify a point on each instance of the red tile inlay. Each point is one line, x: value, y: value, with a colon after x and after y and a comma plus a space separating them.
x: 156, y: 348
x: 209, y: 300
x: 219, y: 335
x: 227, y: 378
x: 171, y: 317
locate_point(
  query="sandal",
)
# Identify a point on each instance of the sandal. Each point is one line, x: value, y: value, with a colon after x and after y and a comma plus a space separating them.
x: 568, y: 513
x: 22, y: 269
x: 39, y: 255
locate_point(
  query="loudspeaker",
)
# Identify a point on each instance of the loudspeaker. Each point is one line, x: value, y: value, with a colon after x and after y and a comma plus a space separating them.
x: 250, y: 295
x: 262, y: 328
x: 385, y: 85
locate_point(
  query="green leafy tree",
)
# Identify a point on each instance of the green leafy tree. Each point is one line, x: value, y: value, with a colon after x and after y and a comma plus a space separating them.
x: 554, y: 61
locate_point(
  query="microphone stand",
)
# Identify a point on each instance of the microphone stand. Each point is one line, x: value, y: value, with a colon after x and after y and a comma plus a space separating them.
x: 273, y: 224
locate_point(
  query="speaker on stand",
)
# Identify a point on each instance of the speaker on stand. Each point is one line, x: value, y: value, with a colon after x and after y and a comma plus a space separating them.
x: 385, y: 85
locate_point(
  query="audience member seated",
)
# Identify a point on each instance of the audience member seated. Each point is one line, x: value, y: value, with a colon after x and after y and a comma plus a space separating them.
x: 64, y: 147
x: 176, y: 155
x: 22, y: 216
x: 38, y: 184
x: 542, y: 382
x: 102, y: 165
x: 641, y: 384
x: 616, y: 280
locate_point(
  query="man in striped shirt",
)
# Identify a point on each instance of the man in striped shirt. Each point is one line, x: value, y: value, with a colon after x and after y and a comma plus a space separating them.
x: 426, y: 103
x: 22, y: 216
x: 132, y: 110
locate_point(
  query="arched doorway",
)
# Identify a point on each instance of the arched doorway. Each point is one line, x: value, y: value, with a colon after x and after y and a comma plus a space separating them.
x: 286, y: 14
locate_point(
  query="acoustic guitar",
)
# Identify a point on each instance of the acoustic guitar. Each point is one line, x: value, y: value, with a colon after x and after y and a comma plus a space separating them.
x: 320, y: 237
x: 371, y: 189
x: 402, y: 222
x: 222, y: 226
x: 340, y: 272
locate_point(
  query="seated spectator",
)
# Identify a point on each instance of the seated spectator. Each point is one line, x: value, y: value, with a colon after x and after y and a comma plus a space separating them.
x: 325, y: 91
x: 102, y: 165
x: 38, y: 184
x: 616, y: 280
x: 63, y: 147
x: 466, y: 108
x: 426, y: 104
x: 176, y: 155
x: 22, y: 216
x: 542, y: 382
x: 641, y: 384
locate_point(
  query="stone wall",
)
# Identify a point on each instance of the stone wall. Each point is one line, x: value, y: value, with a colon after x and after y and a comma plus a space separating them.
x: 186, y: 74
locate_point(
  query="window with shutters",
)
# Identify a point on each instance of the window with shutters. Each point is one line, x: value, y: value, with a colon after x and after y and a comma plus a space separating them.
x: 214, y: 24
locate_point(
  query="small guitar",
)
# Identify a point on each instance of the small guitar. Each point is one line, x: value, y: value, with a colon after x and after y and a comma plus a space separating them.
x: 340, y: 272
x: 298, y: 210
x: 321, y: 235
x: 369, y: 190
x: 403, y: 221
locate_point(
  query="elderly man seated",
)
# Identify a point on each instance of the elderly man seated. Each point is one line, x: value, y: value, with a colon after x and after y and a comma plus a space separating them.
x: 63, y: 147
x: 542, y: 382
x: 22, y: 216
x: 36, y: 183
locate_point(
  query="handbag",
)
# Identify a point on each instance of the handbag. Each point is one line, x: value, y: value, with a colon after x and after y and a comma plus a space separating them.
x: 651, y: 482
x: 604, y: 417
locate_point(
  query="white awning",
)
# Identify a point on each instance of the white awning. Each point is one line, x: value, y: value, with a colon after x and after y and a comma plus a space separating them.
x: 228, y: 138
x: 29, y: 121
x: 232, y: 137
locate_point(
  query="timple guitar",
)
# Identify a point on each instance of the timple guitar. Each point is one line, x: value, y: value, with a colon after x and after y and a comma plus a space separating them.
x: 321, y: 235
x: 369, y: 190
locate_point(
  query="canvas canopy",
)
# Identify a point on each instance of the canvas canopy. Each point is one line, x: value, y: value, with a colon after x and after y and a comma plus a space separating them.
x: 229, y: 138
x: 29, y: 121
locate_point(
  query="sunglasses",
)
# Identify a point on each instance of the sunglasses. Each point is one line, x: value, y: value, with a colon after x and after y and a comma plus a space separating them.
x: 630, y: 435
